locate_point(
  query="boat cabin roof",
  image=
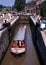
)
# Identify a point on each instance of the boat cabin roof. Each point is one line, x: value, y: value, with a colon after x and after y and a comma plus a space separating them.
x: 21, y: 33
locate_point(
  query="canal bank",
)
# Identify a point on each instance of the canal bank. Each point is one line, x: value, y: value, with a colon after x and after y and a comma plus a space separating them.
x: 38, y: 39
x: 30, y: 57
x: 8, y: 33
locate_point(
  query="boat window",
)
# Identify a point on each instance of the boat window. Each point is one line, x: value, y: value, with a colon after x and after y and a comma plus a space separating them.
x: 16, y: 42
x: 13, y: 42
x: 22, y: 42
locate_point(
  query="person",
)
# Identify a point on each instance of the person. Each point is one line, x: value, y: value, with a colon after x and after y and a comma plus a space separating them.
x: 19, y: 44
x: 6, y: 23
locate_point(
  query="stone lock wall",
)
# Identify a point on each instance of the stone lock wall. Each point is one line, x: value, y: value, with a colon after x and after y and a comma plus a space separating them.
x: 6, y: 35
x: 3, y: 41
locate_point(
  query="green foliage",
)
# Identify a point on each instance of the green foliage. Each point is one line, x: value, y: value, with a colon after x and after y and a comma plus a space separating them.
x: 19, y: 4
x: 43, y: 8
x: 4, y: 8
x: 1, y: 6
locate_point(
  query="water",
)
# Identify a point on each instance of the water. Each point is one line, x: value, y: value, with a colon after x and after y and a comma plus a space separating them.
x: 28, y: 58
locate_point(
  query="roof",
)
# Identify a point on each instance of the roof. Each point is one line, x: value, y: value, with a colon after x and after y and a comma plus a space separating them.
x: 21, y: 34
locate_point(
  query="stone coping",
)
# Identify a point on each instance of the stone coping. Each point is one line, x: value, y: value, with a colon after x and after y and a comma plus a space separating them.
x: 11, y: 23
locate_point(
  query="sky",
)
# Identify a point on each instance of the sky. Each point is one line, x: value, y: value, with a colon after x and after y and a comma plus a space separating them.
x: 8, y: 2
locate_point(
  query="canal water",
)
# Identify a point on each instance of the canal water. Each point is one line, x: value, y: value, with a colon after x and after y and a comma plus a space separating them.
x: 28, y: 58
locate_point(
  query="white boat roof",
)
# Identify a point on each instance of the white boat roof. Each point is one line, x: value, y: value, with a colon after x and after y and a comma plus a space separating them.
x: 21, y: 34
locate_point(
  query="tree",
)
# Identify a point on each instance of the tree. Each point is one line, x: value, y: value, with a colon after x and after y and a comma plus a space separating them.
x: 19, y: 4
x: 43, y: 8
x: 1, y: 6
